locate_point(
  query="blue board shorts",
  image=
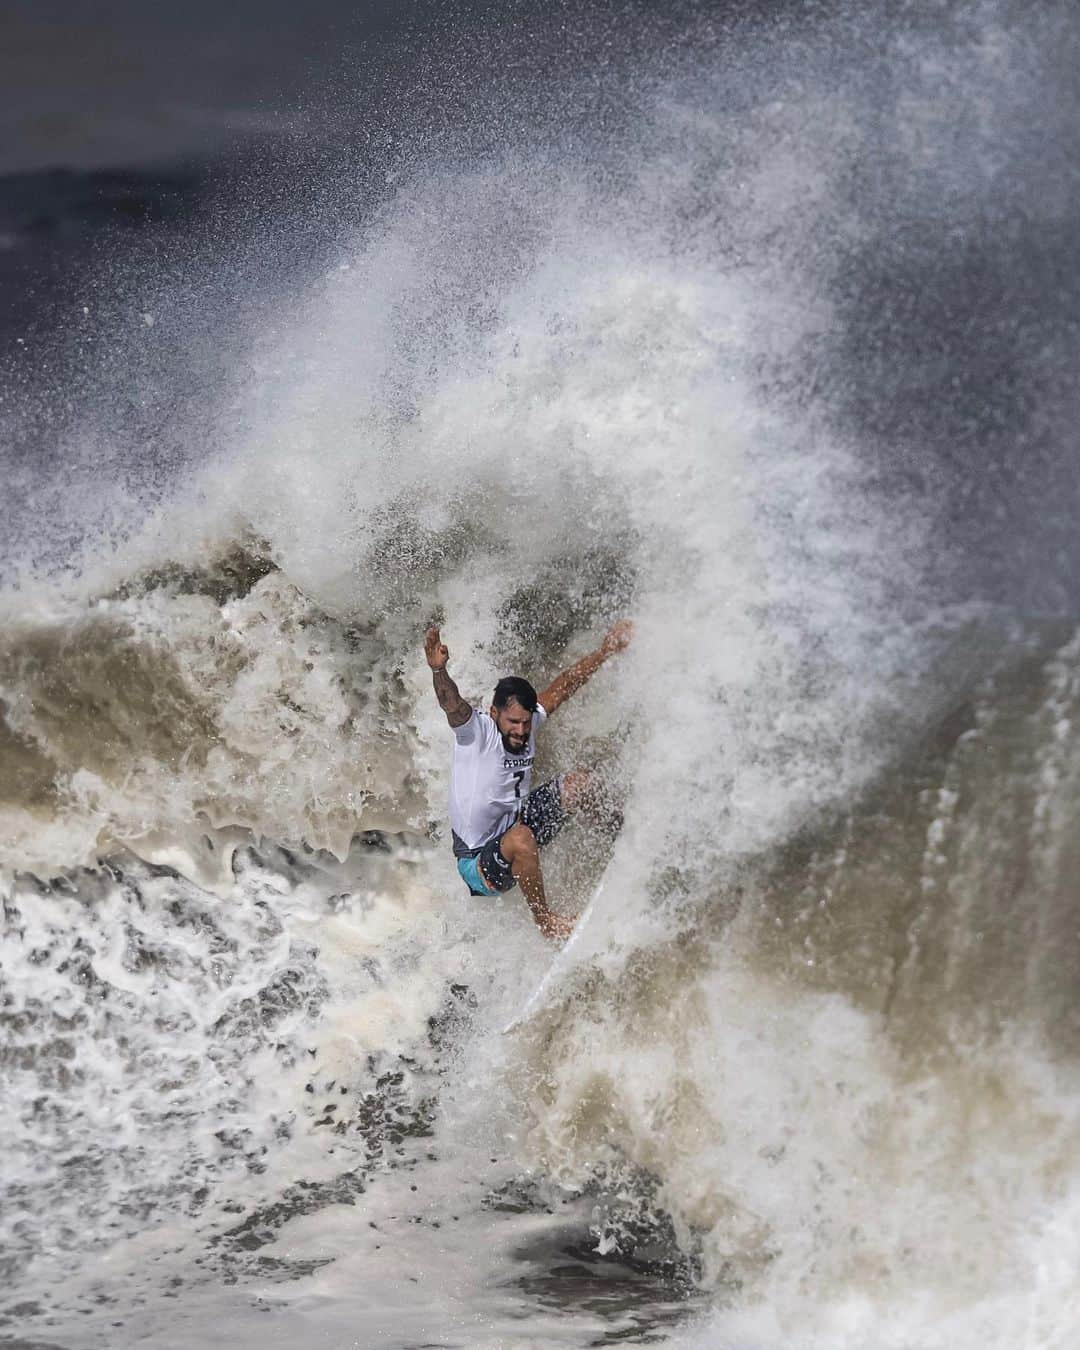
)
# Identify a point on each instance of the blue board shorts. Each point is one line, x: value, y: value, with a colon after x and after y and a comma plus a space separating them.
x: 485, y: 871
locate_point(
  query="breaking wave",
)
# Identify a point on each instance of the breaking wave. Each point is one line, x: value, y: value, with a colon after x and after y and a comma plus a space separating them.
x: 818, y: 1074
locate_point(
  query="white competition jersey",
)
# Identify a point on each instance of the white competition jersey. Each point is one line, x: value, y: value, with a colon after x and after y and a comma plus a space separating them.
x: 488, y: 784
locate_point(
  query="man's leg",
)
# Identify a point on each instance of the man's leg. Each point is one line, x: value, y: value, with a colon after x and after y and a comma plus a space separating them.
x: 585, y: 790
x: 520, y: 849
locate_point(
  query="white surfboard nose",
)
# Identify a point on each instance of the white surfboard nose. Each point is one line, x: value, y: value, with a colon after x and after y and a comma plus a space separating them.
x: 566, y: 960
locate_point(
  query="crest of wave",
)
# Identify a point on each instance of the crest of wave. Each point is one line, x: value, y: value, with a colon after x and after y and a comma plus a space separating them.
x: 524, y: 403
x: 524, y: 399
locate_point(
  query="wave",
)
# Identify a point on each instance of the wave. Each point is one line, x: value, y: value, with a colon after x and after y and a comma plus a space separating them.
x: 830, y: 1015
x: 843, y: 1060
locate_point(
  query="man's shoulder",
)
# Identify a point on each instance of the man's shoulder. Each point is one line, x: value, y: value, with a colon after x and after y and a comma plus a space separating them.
x: 477, y: 733
x: 485, y: 724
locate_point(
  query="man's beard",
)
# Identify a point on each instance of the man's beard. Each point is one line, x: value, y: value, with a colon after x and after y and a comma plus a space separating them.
x: 514, y: 749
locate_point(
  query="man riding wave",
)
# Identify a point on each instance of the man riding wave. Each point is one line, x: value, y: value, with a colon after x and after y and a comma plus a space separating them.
x: 498, y: 823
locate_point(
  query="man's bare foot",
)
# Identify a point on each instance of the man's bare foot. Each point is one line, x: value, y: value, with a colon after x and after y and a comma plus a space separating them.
x: 559, y: 926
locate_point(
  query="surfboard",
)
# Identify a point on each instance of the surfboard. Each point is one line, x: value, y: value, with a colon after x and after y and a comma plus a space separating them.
x: 568, y: 957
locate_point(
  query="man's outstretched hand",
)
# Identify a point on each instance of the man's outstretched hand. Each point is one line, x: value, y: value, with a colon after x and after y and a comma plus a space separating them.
x: 570, y: 681
x: 437, y: 655
x: 617, y: 637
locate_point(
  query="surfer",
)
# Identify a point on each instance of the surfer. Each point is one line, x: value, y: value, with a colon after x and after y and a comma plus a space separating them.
x: 498, y: 825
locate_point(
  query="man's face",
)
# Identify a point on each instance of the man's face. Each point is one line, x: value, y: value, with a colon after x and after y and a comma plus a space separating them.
x: 515, y: 724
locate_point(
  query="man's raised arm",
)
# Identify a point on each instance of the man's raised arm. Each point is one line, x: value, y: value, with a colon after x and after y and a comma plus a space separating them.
x: 453, y: 705
x: 570, y: 681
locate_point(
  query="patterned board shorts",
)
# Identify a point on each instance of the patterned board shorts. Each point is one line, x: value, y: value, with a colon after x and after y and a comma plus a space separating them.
x: 486, y: 871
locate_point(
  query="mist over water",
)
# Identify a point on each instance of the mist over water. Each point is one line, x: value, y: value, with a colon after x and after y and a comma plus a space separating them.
x: 760, y: 336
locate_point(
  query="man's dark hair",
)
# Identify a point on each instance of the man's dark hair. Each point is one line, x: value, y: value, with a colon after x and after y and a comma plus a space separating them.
x: 514, y: 687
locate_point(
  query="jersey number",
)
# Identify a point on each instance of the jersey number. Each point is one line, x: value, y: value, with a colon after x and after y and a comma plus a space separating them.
x: 517, y: 783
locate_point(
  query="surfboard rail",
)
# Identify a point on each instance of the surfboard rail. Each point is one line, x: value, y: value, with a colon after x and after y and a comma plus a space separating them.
x: 565, y: 960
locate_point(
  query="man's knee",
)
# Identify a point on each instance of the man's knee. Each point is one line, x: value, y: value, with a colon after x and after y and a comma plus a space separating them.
x: 592, y: 794
x: 577, y: 788
x: 517, y: 843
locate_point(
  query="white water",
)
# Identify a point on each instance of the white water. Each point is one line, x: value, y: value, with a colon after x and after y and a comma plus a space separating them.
x: 526, y: 400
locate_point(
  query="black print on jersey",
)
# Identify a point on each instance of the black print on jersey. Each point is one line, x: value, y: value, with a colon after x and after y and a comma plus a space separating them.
x: 524, y: 763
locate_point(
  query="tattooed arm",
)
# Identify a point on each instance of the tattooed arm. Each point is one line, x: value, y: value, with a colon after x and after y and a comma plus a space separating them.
x: 453, y: 705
